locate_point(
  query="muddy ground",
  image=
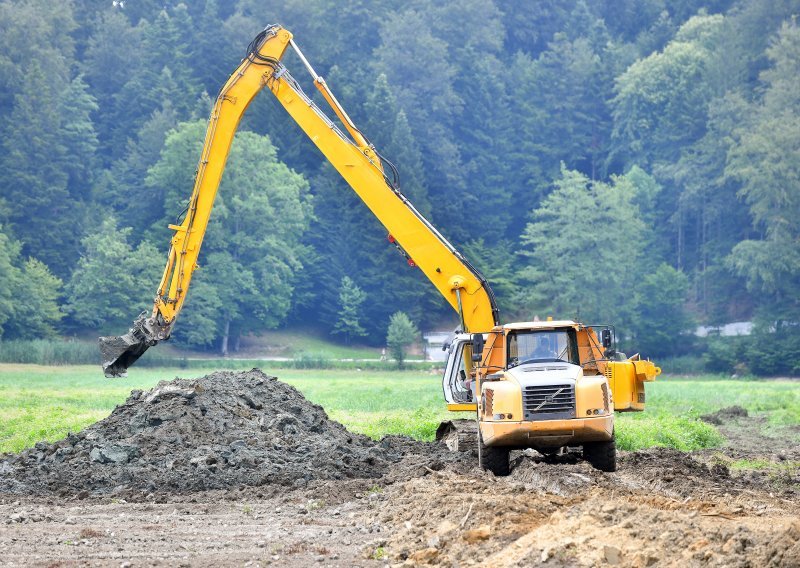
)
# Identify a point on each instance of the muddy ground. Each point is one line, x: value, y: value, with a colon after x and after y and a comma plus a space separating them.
x: 115, y: 496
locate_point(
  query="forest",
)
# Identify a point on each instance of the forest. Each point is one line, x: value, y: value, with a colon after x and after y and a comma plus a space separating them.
x: 634, y: 162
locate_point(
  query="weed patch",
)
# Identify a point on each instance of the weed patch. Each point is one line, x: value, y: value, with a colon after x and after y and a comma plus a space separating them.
x: 679, y: 432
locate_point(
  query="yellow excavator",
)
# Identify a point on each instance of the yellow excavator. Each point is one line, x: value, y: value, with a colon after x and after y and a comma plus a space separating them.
x: 545, y: 385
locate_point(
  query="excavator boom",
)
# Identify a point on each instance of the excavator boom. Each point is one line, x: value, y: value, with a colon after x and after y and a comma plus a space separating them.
x: 353, y: 157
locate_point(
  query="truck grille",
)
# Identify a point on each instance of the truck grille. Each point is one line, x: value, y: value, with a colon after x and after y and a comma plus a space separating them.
x: 549, y: 402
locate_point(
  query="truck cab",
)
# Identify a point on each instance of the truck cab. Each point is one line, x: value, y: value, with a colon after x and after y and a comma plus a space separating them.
x: 544, y: 385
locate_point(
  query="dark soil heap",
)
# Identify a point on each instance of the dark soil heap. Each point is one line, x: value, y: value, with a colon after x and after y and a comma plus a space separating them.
x: 221, y: 431
x: 725, y: 415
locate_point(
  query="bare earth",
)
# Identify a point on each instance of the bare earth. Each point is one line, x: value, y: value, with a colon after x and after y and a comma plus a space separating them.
x: 415, y: 505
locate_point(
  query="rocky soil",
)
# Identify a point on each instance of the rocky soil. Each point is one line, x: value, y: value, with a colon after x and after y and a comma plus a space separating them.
x: 240, y: 469
x: 225, y: 430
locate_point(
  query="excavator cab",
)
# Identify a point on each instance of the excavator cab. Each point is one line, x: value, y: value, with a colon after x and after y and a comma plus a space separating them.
x: 458, y: 379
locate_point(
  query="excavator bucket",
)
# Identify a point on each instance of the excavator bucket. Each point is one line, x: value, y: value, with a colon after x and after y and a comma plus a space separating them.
x: 118, y: 352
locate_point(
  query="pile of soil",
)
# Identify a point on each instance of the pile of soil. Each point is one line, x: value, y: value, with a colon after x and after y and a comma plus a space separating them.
x: 725, y: 415
x: 221, y: 431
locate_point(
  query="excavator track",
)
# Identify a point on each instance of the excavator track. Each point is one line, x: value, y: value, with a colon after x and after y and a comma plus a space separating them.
x: 458, y: 435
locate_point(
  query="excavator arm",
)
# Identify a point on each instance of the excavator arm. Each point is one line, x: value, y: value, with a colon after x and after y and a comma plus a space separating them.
x: 353, y: 157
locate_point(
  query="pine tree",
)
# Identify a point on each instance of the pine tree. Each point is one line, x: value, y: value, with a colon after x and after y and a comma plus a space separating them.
x: 208, y: 45
x: 580, y: 230
x: 428, y: 96
x: 350, y: 299
x: 766, y: 162
x: 122, y: 188
x: 163, y: 73
x: 78, y: 137
x: 35, y: 187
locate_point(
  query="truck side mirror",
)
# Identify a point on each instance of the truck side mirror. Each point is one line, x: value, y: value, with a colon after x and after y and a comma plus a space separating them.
x: 477, y: 347
x: 605, y: 336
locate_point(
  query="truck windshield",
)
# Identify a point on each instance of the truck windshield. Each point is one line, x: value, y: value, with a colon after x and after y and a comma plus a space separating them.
x: 542, y: 347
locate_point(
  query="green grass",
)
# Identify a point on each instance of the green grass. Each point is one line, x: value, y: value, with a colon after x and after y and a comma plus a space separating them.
x: 291, y: 343
x: 312, y: 352
x: 306, y: 344
x: 44, y: 403
x: 762, y: 464
x: 674, y: 406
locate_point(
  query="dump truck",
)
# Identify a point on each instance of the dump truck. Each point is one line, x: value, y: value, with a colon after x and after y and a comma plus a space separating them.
x: 543, y: 385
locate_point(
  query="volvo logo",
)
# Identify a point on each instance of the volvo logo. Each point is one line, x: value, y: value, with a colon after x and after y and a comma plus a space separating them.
x: 549, y: 399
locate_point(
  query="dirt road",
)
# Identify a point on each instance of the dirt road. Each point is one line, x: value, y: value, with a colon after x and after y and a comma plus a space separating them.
x: 395, y: 503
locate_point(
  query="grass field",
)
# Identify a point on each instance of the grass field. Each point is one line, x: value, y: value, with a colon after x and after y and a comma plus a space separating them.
x: 44, y: 403
x: 293, y: 342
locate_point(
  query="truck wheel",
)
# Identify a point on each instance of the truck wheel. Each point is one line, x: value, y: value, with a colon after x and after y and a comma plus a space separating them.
x: 493, y: 458
x: 602, y: 455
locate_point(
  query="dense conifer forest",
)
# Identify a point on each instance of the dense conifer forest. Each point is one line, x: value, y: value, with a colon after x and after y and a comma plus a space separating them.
x: 626, y: 161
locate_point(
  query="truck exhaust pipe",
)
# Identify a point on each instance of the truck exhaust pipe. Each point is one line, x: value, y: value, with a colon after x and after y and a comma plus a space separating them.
x: 118, y: 352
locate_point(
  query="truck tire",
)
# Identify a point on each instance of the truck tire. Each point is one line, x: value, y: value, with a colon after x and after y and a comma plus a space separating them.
x: 602, y: 455
x: 493, y: 458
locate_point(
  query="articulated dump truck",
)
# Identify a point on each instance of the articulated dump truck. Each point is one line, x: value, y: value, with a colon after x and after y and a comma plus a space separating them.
x: 545, y: 385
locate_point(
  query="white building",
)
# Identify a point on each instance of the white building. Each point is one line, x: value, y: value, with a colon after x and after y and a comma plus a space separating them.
x: 432, y: 343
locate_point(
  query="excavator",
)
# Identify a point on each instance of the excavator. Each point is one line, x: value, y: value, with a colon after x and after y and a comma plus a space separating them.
x: 548, y: 385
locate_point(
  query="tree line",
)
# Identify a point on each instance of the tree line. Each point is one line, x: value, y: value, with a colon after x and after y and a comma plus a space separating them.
x: 621, y: 161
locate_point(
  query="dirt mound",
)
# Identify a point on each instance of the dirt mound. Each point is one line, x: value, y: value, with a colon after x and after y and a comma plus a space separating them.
x: 220, y: 431
x: 724, y: 415
x: 784, y: 548
x: 662, y: 508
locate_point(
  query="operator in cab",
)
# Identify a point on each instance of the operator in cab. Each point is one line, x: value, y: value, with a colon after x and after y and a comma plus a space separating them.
x: 543, y: 350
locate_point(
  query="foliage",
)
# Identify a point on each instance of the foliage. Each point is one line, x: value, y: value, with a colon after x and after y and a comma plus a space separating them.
x: 37, y: 312
x: 350, y: 299
x: 685, y: 113
x: 724, y: 354
x: 252, y: 248
x: 29, y: 296
x: 661, y: 325
x: 113, y: 281
x: 9, y: 276
x: 399, y: 336
x: 766, y: 161
x: 661, y: 101
x: 774, y: 350
x: 498, y: 264
x: 48, y: 352
x: 580, y: 245
x: 677, y: 432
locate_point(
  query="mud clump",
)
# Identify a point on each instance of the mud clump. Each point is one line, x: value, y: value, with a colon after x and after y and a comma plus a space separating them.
x: 221, y: 431
x: 784, y: 548
x: 724, y: 415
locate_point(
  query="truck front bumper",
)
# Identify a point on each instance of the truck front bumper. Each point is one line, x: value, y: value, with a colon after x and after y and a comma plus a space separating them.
x: 548, y: 433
